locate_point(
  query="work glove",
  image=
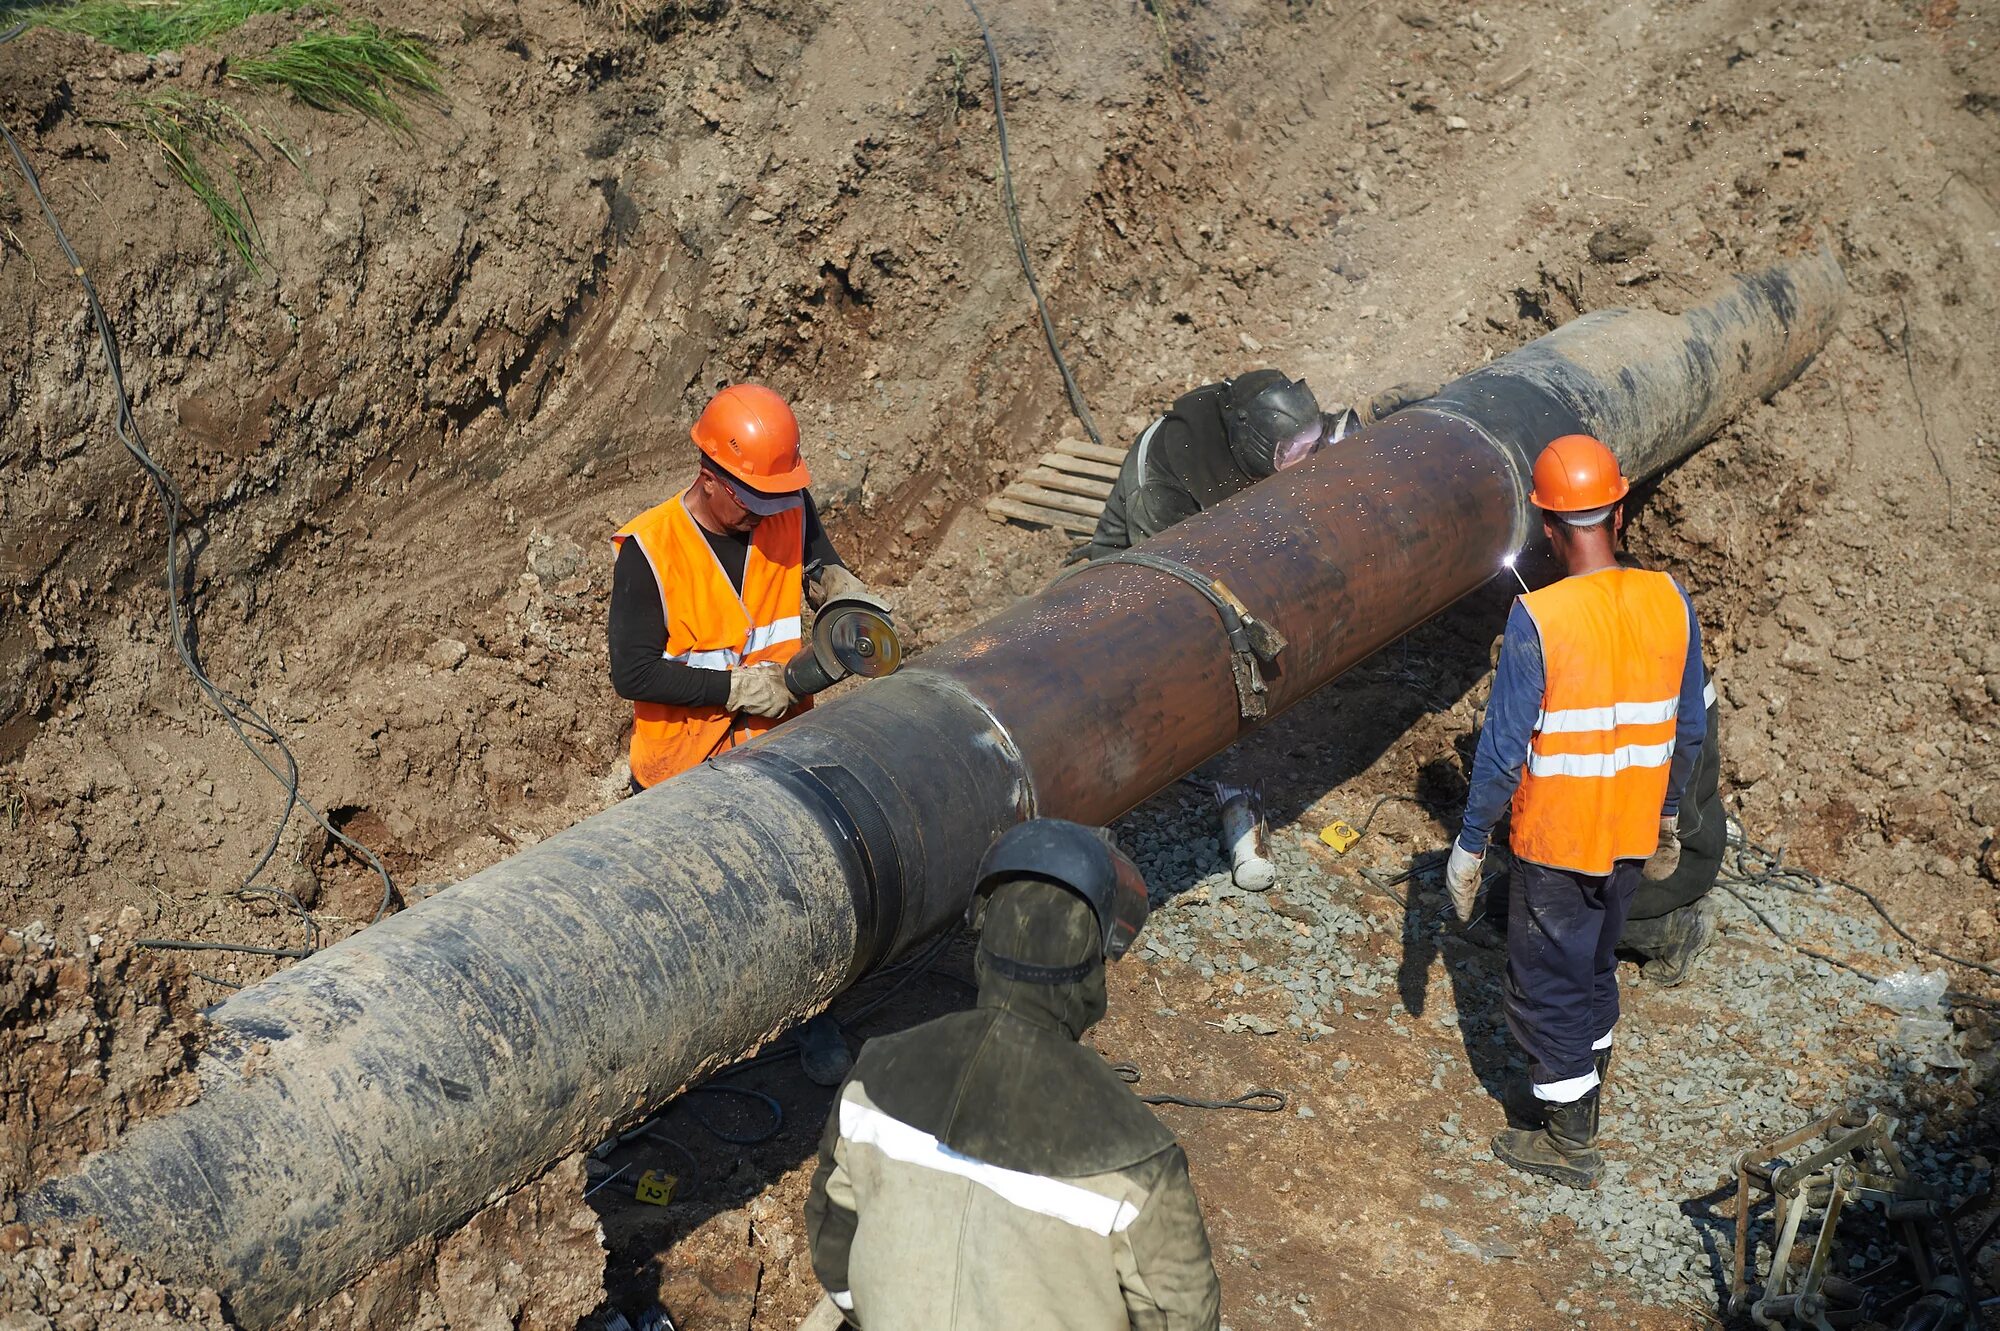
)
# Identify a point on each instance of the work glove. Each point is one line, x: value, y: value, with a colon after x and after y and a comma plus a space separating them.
x: 1666, y: 857
x: 836, y: 583
x: 760, y: 690
x: 1461, y: 877
x: 1392, y: 400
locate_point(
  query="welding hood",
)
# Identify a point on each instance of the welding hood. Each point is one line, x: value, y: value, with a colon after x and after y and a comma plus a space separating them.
x: 1080, y: 858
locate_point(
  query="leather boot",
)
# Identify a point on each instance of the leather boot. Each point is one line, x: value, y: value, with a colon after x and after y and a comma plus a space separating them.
x: 1524, y: 1108
x: 1562, y: 1150
x: 1687, y: 934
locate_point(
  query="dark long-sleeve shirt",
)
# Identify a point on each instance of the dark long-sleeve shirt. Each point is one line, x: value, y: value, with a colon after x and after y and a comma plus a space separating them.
x: 1516, y: 706
x: 640, y: 671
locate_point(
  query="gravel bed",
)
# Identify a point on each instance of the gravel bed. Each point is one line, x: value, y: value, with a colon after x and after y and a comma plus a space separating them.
x: 1684, y: 1099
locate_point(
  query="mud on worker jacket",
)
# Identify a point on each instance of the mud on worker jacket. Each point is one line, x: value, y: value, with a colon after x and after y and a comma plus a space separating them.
x: 711, y: 626
x: 985, y: 1172
x: 1615, y: 660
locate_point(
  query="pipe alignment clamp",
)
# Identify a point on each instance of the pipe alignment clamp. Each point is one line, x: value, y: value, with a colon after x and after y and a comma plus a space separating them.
x: 1251, y: 640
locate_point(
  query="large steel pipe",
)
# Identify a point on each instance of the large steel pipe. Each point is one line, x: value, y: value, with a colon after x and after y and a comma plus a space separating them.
x: 391, y: 1085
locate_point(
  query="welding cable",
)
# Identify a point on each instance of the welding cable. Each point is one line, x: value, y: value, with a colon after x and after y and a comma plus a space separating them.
x: 241, y: 718
x: 1755, y: 865
x: 1256, y: 1100
x: 1020, y: 243
x: 770, y: 1103
x: 1369, y: 821
x: 280, y: 896
x: 188, y: 945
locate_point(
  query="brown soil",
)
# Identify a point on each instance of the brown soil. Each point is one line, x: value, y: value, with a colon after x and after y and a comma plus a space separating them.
x: 471, y: 355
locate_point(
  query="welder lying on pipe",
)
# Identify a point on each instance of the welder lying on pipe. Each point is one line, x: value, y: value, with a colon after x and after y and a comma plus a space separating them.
x: 1215, y: 442
x: 705, y: 622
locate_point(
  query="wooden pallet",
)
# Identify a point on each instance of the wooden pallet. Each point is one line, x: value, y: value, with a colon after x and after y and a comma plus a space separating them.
x: 1064, y: 489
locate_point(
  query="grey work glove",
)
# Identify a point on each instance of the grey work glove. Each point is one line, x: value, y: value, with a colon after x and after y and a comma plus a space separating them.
x: 1461, y: 877
x: 834, y: 583
x: 1666, y: 857
x: 1392, y: 400
x: 760, y: 690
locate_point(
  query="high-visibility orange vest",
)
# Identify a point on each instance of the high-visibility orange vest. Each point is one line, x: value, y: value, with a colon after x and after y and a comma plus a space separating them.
x: 1614, y: 646
x: 711, y: 626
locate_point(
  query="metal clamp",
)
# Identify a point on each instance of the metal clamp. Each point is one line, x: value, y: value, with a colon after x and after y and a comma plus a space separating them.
x: 1251, y: 640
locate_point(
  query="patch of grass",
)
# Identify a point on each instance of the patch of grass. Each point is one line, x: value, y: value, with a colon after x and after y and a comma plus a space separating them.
x: 152, y: 26
x: 362, y: 69
x: 178, y: 127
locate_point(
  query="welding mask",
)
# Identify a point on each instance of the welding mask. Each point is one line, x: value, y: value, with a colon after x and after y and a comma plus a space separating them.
x: 1271, y: 421
x: 1078, y: 858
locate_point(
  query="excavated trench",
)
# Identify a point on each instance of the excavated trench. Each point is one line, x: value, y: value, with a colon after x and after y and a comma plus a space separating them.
x: 471, y: 354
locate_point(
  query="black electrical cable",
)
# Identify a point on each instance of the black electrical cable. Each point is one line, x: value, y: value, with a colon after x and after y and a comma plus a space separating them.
x: 242, y: 719
x: 187, y: 945
x: 1020, y: 243
x: 287, y: 899
x: 1257, y: 1100
x: 1369, y: 821
x: 1753, y: 865
x: 770, y: 1103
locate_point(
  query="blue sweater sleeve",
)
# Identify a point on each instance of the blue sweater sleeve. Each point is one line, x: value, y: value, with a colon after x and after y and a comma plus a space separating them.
x: 1691, y: 731
x: 1510, y: 726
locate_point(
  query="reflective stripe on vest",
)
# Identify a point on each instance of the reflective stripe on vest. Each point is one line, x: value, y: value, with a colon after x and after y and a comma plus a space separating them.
x: 1614, y: 646
x: 713, y: 627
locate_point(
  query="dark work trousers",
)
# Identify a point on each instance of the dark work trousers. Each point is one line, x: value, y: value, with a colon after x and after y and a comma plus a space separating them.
x: 1562, y: 971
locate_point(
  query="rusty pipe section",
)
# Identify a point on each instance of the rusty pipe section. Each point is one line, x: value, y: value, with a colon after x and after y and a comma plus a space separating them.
x: 1116, y: 681
x: 386, y: 1088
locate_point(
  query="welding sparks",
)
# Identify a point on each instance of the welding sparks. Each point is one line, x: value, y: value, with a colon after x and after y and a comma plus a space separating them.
x: 1508, y: 564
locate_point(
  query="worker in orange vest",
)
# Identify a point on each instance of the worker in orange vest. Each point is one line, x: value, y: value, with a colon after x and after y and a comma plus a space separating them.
x: 1594, y: 722
x: 705, y: 596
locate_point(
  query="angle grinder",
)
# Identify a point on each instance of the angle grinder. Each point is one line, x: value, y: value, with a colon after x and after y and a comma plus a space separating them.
x: 852, y: 635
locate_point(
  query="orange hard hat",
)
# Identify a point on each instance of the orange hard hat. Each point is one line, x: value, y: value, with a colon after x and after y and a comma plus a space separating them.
x: 1576, y: 474
x: 750, y: 432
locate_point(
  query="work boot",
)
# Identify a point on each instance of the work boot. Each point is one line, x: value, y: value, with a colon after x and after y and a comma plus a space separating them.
x: 1562, y: 1149
x: 823, y: 1050
x: 1687, y: 934
x: 1527, y: 1110
x: 1524, y: 1108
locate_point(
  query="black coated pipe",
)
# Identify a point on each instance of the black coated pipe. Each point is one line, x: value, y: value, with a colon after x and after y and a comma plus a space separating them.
x: 389, y: 1086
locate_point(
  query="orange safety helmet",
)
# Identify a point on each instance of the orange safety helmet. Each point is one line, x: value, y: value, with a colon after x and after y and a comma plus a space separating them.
x: 750, y: 432
x: 1576, y: 474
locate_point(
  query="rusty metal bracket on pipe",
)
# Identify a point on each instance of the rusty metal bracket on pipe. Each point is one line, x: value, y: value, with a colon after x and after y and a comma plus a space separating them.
x: 1251, y: 639
x: 389, y: 1086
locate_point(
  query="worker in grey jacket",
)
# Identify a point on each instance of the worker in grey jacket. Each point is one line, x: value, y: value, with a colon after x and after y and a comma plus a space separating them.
x: 985, y: 1171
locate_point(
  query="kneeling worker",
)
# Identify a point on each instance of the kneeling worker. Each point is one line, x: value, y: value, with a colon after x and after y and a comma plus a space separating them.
x: 1598, y: 689
x: 1672, y: 921
x: 705, y: 596
x: 985, y: 1170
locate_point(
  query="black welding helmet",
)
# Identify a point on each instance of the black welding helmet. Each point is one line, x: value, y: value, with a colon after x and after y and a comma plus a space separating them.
x: 1085, y: 861
x: 1270, y: 420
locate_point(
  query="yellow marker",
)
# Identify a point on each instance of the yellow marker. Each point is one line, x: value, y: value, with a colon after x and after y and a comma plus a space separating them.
x: 656, y: 1188
x: 1339, y: 835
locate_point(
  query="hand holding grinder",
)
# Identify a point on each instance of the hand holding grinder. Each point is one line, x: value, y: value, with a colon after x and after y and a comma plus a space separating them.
x: 853, y: 633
